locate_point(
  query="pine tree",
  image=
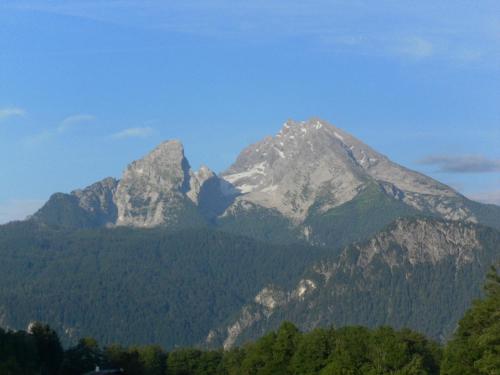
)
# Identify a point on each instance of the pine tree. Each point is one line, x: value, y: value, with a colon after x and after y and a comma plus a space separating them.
x: 475, y: 348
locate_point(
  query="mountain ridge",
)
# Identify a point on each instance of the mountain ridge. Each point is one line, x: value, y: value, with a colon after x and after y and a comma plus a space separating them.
x: 319, y: 230
x: 304, y: 174
x: 401, y: 276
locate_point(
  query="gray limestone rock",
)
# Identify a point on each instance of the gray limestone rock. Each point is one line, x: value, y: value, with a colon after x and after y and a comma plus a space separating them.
x: 312, y: 161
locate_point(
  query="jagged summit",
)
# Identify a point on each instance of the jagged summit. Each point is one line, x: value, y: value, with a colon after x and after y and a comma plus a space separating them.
x: 162, y: 187
x: 307, y: 169
x: 159, y: 189
x: 152, y: 188
x: 312, y: 161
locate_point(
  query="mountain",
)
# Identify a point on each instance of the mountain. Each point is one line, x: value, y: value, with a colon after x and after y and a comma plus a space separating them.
x: 314, y: 175
x: 93, y: 206
x: 420, y: 273
x: 314, y: 164
x: 135, y: 285
x: 310, y: 225
x: 158, y: 190
x: 311, y: 182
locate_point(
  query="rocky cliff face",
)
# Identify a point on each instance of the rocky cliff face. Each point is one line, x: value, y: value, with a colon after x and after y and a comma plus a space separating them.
x: 294, y: 180
x: 99, y: 199
x: 86, y: 208
x: 161, y: 188
x: 415, y: 270
x: 157, y: 190
x: 313, y: 162
x: 153, y: 190
x: 421, y: 241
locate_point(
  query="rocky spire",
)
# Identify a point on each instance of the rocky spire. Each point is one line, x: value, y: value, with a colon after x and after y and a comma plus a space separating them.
x: 153, y: 188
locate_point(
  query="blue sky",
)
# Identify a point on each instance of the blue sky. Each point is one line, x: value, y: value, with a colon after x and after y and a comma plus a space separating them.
x: 88, y: 86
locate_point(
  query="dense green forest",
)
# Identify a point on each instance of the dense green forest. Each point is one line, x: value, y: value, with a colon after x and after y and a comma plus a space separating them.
x: 429, y: 297
x: 139, y: 286
x: 474, y: 350
x: 136, y: 286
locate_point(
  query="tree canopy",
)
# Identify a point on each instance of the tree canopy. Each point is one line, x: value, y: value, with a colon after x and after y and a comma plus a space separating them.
x: 354, y: 350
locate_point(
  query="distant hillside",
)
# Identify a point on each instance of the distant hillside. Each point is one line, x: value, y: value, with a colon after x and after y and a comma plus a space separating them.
x: 135, y: 285
x: 418, y: 273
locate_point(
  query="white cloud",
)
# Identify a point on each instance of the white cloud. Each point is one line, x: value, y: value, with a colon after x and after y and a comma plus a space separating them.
x: 134, y: 133
x: 6, y: 113
x: 18, y: 209
x: 74, y: 120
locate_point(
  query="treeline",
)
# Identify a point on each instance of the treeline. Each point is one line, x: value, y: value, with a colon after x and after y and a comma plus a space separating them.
x: 474, y: 350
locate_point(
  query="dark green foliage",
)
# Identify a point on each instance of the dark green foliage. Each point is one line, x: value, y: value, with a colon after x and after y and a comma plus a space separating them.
x: 263, y: 224
x: 50, y: 352
x: 148, y: 286
x: 83, y: 357
x: 18, y: 353
x: 312, y: 352
x: 192, y: 361
x: 475, y: 348
x: 349, y: 350
x: 427, y: 297
x: 153, y: 360
x: 119, y: 357
x: 136, y: 286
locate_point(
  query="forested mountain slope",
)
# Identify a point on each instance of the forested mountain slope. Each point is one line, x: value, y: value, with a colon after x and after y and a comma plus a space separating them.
x: 419, y: 273
x: 171, y: 255
x: 135, y: 285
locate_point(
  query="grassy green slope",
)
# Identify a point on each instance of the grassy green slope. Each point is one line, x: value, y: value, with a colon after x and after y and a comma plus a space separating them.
x: 357, y: 219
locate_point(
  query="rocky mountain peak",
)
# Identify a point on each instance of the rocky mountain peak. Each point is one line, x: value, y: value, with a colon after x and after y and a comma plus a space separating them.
x: 292, y: 170
x: 167, y: 160
x: 308, y: 168
x: 153, y: 186
x: 313, y: 161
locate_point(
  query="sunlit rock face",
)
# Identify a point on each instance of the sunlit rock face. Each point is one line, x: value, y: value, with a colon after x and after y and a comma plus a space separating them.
x: 153, y: 189
x: 306, y: 170
x: 313, y: 163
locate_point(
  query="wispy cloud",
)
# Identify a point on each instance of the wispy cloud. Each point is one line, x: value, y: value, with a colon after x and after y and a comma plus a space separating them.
x: 134, y: 133
x: 74, y: 120
x: 9, y: 112
x: 64, y: 126
x: 462, y: 164
x: 419, y: 30
x: 492, y: 196
x: 416, y: 47
x: 39, y: 138
x: 18, y: 209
